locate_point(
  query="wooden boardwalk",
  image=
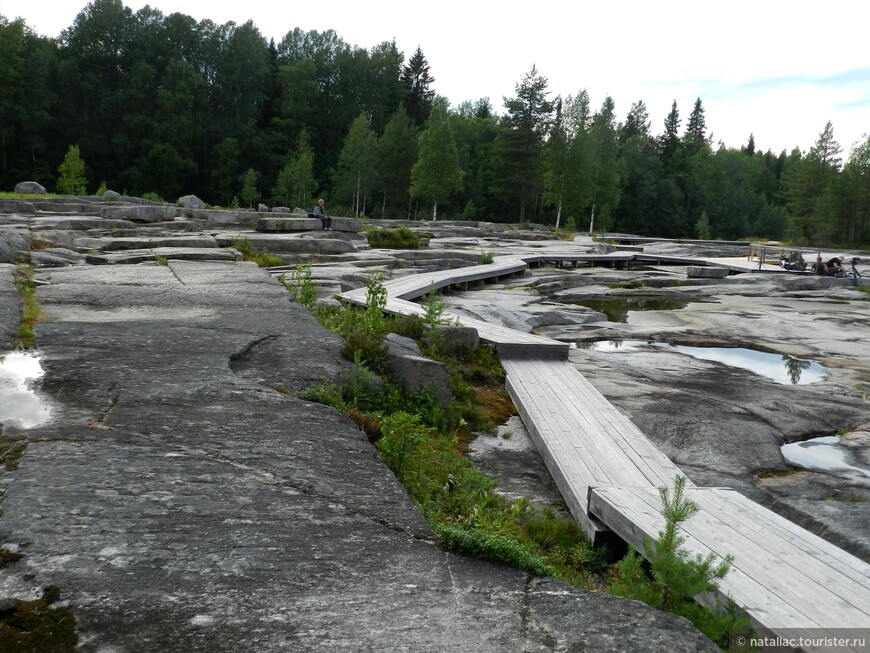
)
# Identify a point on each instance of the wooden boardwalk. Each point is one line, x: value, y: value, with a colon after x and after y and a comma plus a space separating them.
x: 609, y: 472
x: 783, y: 576
x: 584, y: 440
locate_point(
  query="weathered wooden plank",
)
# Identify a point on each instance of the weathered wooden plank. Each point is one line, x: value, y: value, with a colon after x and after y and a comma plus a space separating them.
x: 777, y: 588
x: 586, y: 469
x: 619, y: 445
x: 659, y: 469
x: 793, y: 579
x: 817, y: 558
x: 634, y: 521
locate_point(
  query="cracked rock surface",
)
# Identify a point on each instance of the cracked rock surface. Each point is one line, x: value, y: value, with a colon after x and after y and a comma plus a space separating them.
x: 181, y: 503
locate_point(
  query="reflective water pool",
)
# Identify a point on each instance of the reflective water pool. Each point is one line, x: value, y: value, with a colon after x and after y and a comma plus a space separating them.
x: 823, y: 454
x: 780, y: 368
x: 19, y: 404
x: 617, y: 309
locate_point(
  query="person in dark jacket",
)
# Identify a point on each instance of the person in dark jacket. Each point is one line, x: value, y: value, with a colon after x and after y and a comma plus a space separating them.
x: 320, y: 212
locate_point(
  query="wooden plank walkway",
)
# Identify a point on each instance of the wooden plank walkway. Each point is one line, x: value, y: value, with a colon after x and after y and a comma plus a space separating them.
x: 609, y: 473
x: 584, y: 440
x: 507, y: 342
x: 783, y: 576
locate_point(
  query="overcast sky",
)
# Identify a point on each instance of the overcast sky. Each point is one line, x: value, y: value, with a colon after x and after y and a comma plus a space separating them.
x: 778, y: 69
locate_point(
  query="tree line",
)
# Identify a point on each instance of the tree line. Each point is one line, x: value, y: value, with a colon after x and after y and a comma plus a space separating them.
x: 167, y: 105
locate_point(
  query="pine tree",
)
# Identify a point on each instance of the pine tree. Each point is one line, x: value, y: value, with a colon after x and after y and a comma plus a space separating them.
x: 636, y: 122
x: 519, y: 145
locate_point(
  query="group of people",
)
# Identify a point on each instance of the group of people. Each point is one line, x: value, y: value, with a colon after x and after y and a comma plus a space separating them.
x: 831, y: 268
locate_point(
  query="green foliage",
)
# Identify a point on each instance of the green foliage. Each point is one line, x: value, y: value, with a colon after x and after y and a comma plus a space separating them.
x: 433, y: 304
x: 418, y: 439
x: 496, y: 547
x: 486, y: 257
x: 403, y: 435
x: 260, y: 257
x: 162, y: 260
x: 356, y: 164
x: 675, y: 577
x: 123, y: 86
x: 296, y: 183
x: 703, y: 227
x: 101, y: 189
x: 357, y: 387
x: 302, y: 286
x: 31, y: 311
x: 72, y: 179
x: 249, y: 193
x: 152, y: 197
x: 436, y: 175
x: 399, y: 238
x: 36, y: 626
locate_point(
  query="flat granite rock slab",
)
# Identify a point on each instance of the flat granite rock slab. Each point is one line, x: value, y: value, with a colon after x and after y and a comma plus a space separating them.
x: 133, y: 256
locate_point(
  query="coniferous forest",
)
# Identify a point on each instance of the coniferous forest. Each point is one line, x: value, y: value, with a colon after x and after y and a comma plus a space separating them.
x: 167, y: 105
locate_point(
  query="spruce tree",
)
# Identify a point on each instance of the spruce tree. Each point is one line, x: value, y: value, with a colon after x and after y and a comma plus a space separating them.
x: 417, y: 81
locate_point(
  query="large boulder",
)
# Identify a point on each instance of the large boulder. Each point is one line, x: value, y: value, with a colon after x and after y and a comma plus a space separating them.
x: 458, y: 340
x: 13, y: 244
x: 112, y: 196
x: 415, y: 371
x: 191, y: 202
x: 29, y: 188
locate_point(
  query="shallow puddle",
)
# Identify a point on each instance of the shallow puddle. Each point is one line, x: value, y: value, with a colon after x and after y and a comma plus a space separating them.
x: 19, y: 403
x: 822, y: 454
x: 617, y: 309
x: 780, y: 368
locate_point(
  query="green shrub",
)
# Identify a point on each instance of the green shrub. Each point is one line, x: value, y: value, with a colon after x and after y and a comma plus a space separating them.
x: 486, y: 257
x: 675, y: 577
x: 152, y: 197
x: 261, y: 257
x: 399, y: 238
x: 302, y: 286
x: 72, y: 179
x: 496, y: 547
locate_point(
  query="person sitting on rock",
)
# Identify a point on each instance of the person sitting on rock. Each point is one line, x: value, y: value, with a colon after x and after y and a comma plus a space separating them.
x: 320, y: 212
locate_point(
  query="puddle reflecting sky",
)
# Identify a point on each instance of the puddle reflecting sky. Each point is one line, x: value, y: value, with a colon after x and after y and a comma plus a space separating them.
x: 617, y: 309
x: 824, y: 454
x: 19, y: 404
x: 783, y: 369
